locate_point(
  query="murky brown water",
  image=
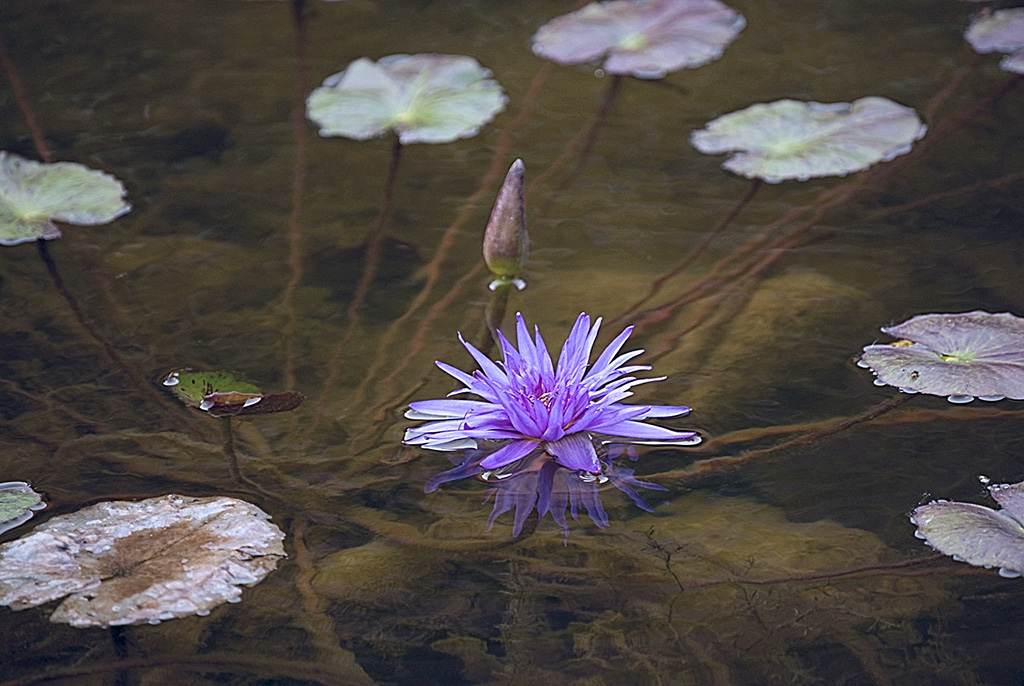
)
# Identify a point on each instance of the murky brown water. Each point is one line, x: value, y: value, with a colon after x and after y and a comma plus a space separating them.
x: 244, y: 251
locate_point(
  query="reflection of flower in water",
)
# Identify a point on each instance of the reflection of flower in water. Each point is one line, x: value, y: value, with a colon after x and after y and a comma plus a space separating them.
x: 549, y: 417
x: 540, y: 482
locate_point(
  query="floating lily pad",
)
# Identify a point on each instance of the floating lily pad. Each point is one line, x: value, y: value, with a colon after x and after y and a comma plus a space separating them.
x: 34, y: 195
x: 222, y: 395
x: 977, y: 534
x: 647, y: 39
x: 191, y: 387
x: 789, y: 139
x: 134, y: 562
x: 999, y: 31
x: 423, y: 98
x: 18, y: 502
x: 962, y: 356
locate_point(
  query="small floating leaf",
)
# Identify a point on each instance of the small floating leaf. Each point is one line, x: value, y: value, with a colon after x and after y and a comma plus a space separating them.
x: 962, y: 356
x: 977, y: 534
x: 133, y: 562
x: 191, y: 387
x: 18, y: 502
x: 222, y: 395
x: 34, y: 195
x: 789, y: 139
x: 423, y: 98
x: 241, y: 404
x: 646, y: 38
x: 999, y: 31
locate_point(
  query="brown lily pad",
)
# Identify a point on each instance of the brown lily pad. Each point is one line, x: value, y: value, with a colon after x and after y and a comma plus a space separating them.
x: 125, y: 562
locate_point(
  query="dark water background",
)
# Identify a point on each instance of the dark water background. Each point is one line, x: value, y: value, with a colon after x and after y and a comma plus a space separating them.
x: 244, y: 249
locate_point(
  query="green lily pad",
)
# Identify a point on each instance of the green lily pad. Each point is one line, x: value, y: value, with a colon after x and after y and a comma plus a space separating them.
x: 222, y: 395
x: 191, y: 387
x: 34, y: 195
x: 423, y: 98
x: 790, y: 139
x: 18, y: 502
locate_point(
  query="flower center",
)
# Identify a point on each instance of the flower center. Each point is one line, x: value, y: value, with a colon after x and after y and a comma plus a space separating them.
x: 959, y: 357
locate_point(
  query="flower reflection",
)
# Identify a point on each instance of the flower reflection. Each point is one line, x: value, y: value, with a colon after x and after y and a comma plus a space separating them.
x: 540, y: 482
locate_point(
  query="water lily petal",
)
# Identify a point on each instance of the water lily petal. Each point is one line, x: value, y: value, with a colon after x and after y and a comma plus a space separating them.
x: 634, y: 429
x: 446, y: 409
x: 576, y: 451
x: 516, y: 450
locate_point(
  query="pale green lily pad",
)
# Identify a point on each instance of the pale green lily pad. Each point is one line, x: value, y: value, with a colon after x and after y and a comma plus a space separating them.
x: 423, y: 98
x: 1013, y: 63
x: 642, y: 38
x: 34, y: 195
x: 133, y: 562
x: 790, y: 139
x: 18, y: 502
x: 999, y: 31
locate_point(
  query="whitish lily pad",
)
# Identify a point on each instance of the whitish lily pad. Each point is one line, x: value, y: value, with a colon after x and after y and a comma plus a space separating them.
x: 1000, y: 31
x: 789, y: 139
x: 977, y: 534
x: 646, y: 38
x: 134, y: 562
x: 423, y: 98
x: 222, y: 395
x: 18, y: 502
x: 34, y: 195
x: 963, y: 356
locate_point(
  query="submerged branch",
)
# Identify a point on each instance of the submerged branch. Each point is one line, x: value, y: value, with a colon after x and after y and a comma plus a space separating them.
x: 726, y: 221
x: 827, y: 428
x: 892, y: 569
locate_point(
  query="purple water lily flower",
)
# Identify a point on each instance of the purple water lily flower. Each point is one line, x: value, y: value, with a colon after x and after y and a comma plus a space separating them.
x: 538, y: 406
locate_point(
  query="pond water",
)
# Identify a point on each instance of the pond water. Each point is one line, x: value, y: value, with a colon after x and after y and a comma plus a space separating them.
x: 791, y: 560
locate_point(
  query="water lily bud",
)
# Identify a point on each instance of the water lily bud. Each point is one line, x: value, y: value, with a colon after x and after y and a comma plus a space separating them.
x: 505, y: 238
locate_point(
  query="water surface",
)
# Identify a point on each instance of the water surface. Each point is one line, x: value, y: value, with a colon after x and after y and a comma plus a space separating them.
x: 244, y: 251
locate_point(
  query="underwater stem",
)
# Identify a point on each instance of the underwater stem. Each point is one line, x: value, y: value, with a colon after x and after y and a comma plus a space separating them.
x: 494, y: 315
x: 374, y: 249
x: 432, y: 270
x: 38, y: 139
x: 300, y: 136
x: 578, y: 147
x: 58, y: 284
